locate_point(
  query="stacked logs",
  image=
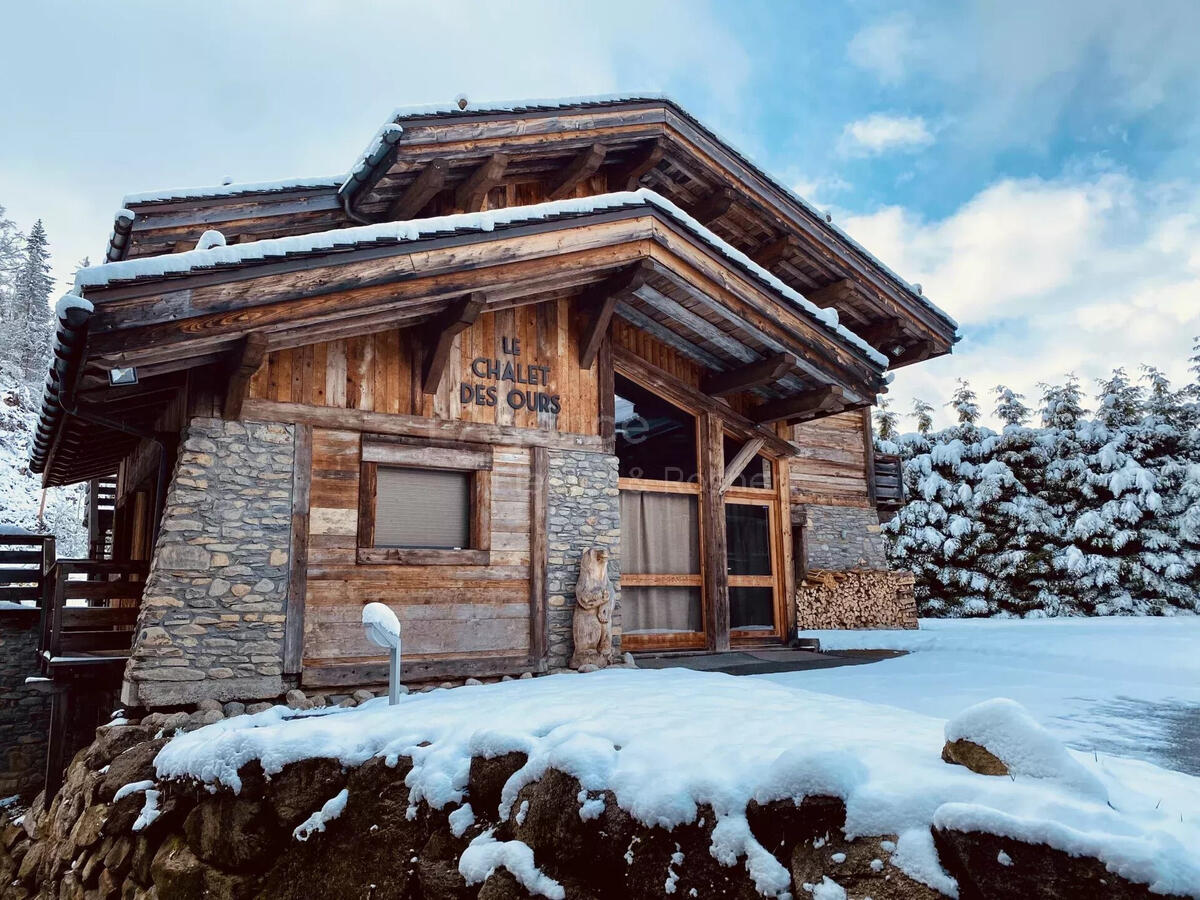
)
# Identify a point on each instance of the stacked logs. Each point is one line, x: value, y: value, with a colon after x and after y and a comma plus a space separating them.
x: 860, y: 598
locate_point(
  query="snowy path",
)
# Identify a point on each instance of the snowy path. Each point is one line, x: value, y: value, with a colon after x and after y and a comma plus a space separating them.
x: 1123, y: 686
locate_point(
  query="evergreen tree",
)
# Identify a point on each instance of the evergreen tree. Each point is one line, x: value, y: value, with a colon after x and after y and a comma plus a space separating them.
x: 923, y: 413
x: 885, y: 421
x: 1120, y: 401
x: 1009, y: 408
x: 963, y: 403
x: 31, y: 319
x: 11, y: 242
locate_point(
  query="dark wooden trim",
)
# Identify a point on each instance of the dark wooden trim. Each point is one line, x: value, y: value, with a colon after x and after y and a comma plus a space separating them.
x: 628, y: 177
x: 419, y: 192
x: 244, y: 362
x: 442, y: 331
x: 602, y: 300
x: 293, y: 628
x: 712, y: 525
x: 538, y: 544
x: 471, y: 193
x: 416, y: 669
x: 421, y: 556
x: 582, y: 166
x: 366, y: 504
x: 417, y: 426
x: 869, y: 454
x: 810, y: 404
x: 747, y: 377
x: 481, y: 509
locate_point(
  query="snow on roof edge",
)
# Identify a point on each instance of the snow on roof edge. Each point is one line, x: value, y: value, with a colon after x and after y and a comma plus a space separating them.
x: 180, y: 263
x: 226, y: 190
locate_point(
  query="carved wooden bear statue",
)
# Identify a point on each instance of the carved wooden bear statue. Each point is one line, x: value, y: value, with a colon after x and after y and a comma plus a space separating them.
x: 593, y: 611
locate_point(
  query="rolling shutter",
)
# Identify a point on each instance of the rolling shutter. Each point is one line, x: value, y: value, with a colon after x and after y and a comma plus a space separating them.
x: 426, y: 508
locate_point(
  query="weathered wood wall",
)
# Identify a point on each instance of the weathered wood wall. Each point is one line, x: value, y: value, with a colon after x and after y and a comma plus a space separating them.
x: 831, y: 467
x: 381, y: 372
x: 445, y: 611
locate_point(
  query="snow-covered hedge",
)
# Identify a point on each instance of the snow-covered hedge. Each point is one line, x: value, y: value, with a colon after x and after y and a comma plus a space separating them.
x: 1083, y: 515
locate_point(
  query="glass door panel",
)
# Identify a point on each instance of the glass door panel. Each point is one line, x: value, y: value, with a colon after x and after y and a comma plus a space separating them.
x: 750, y: 559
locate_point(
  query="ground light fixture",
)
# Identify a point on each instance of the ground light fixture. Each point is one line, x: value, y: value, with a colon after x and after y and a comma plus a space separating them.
x: 383, y: 630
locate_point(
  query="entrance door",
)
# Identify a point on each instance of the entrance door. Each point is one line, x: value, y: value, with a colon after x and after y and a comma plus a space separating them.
x: 750, y: 535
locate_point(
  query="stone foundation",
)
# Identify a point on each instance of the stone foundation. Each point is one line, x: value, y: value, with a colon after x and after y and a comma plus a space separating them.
x: 861, y: 599
x: 841, y: 537
x: 211, y: 624
x: 24, y: 709
x: 583, y: 510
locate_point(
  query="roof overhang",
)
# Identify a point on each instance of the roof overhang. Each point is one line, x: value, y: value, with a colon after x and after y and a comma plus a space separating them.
x: 167, y: 315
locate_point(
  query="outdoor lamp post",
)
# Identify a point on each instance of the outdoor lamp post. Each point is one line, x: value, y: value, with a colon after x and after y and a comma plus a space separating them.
x: 383, y: 630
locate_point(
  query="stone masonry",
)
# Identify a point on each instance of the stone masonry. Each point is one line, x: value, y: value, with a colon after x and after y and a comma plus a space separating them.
x: 583, y: 511
x: 213, y: 611
x: 841, y: 537
x: 24, y: 710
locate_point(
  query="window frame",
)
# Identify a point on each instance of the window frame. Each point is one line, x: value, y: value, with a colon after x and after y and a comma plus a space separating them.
x: 391, y: 452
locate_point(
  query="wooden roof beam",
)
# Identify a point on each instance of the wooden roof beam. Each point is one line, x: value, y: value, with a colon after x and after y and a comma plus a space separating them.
x: 747, y: 377
x: 243, y: 363
x: 581, y: 167
x: 773, y: 252
x: 918, y: 352
x: 738, y: 464
x: 603, y: 298
x: 714, y: 205
x: 629, y: 176
x: 809, y: 404
x: 471, y: 193
x: 419, y: 192
x: 458, y: 317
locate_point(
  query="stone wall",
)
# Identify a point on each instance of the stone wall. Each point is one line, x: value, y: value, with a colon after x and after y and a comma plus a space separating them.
x: 841, y: 537
x: 24, y: 710
x: 583, y: 511
x: 211, y: 624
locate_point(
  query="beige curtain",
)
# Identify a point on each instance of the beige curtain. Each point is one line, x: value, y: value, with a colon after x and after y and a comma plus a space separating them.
x: 659, y: 536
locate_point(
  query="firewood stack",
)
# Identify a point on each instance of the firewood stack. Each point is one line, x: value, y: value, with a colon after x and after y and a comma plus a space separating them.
x: 856, y: 599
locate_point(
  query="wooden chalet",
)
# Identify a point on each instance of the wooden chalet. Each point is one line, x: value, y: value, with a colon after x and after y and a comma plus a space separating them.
x: 509, y: 334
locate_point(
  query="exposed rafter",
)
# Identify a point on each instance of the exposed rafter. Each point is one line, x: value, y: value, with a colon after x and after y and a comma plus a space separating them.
x: 603, y: 298
x: 917, y: 352
x: 810, y: 404
x: 458, y: 317
x: 582, y: 166
x: 747, y: 377
x: 772, y: 253
x: 417, y: 195
x: 471, y: 193
x: 714, y: 206
x: 628, y: 177
x: 243, y: 363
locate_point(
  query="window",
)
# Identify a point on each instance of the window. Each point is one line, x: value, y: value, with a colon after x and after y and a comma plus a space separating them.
x: 656, y: 440
x: 422, y: 505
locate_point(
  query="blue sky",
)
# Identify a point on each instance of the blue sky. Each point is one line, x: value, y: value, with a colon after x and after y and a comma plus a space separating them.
x: 1033, y: 165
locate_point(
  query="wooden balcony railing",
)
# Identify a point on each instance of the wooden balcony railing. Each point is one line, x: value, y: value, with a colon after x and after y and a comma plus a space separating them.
x: 89, y: 611
x: 889, y: 481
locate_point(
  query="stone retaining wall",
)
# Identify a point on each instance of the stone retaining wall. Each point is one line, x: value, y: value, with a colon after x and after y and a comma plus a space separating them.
x: 841, y: 537
x: 24, y: 710
x: 583, y: 511
x: 211, y: 624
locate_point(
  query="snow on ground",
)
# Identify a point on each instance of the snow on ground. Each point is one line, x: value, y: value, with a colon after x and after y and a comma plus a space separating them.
x: 1118, y: 685
x: 667, y: 740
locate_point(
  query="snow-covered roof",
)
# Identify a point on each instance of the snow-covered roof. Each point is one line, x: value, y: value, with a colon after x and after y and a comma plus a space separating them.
x: 343, y: 238
x: 231, y: 190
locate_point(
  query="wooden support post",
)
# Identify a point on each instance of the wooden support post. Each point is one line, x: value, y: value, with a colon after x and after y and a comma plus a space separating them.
x: 805, y: 405
x: 538, y: 644
x: 714, y: 206
x: 242, y: 365
x: 738, y: 464
x: 772, y: 253
x: 471, y: 193
x: 628, y: 177
x: 712, y: 529
x: 606, y: 387
x: 461, y: 314
x: 583, y: 166
x: 417, y: 195
x: 293, y: 628
x: 603, y: 299
x: 869, y: 455
x: 747, y: 377
x: 56, y: 740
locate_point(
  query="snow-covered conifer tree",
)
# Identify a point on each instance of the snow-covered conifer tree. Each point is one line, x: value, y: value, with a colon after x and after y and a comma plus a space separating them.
x: 923, y: 414
x: 885, y: 420
x: 30, y: 308
x: 1009, y: 408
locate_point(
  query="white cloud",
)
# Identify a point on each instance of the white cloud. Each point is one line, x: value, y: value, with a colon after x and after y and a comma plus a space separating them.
x: 1077, y: 274
x: 880, y: 133
x: 885, y: 48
